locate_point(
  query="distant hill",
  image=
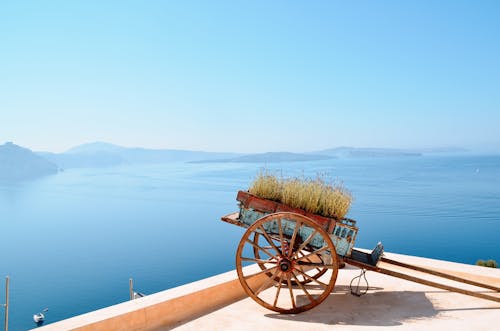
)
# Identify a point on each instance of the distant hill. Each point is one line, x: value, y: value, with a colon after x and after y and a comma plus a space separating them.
x: 100, y: 154
x: 95, y: 160
x: 271, y: 157
x: 366, y: 152
x: 94, y: 147
x: 338, y: 152
x: 18, y: 163
x: 441, y: 150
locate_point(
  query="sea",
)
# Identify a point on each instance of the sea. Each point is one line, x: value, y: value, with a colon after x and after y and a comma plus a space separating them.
x: 70, y: 242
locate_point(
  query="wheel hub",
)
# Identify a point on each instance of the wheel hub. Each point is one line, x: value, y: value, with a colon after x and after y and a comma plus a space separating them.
x: 285, y: 265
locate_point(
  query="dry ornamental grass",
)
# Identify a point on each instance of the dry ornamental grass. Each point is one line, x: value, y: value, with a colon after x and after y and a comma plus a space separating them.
x: 314, y: 196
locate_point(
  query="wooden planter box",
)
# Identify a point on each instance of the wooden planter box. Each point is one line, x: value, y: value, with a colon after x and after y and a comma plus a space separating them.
x: 343, y: 232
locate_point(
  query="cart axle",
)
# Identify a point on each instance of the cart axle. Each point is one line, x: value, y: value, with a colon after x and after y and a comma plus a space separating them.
x: 285, y: 265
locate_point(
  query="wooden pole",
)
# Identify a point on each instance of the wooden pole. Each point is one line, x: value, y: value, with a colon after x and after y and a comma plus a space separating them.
x: 438, y: 285
x: 441, y: 274
x: 427, y: 282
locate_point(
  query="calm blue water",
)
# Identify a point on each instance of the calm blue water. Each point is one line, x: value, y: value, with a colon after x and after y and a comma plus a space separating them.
x: 71, y: 241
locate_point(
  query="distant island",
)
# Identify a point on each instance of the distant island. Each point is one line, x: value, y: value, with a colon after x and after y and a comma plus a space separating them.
x: 271, y: 157
x: 21, y: 163
x: 339, y: 152
x: 18, y: 163
x: 353, y: 152
x: 101, y: 154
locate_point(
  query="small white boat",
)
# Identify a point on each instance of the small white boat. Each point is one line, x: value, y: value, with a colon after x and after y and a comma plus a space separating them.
x: 40, y: 317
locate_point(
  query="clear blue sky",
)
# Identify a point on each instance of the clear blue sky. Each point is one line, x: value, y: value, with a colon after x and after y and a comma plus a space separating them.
x: 250, y: 76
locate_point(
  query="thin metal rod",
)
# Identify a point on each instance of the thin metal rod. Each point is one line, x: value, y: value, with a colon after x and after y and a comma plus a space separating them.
x: 131, y: 288
x: 6, y: 323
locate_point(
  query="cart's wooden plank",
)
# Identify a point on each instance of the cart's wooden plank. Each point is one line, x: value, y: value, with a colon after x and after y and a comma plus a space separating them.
x: 233, y: 219
x: 437, y: 285
x: 359, y: 264
x: 447, y: 275
x: 407, y: 272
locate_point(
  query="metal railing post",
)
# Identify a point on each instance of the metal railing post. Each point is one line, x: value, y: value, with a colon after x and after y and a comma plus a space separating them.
x: 6, y: 305
x: 131, y: 288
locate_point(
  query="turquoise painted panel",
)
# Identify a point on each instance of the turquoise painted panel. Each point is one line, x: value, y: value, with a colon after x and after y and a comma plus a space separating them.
x: 342, y: 237
x: 249, y: 216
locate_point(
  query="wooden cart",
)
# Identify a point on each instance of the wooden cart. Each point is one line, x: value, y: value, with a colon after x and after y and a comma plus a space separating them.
x: 300, y: 254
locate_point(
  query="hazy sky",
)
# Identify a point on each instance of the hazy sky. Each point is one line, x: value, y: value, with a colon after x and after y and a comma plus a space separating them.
x: 250, y: 76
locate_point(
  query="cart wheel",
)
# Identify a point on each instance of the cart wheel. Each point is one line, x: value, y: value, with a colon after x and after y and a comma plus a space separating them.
x: 311, y: 274
x: 286, y: 255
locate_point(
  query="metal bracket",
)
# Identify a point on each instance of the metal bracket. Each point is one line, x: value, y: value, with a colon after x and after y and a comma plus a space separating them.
x: 359, y: 290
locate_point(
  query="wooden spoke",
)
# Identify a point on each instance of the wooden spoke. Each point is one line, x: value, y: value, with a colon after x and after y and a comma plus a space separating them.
x: 322, y: 249
x: 278, y: 290
x: 309, y: 260
x: 282, y: 239
x: 290, y: 288
x: 312, y: 279
x: 297, y: 266
x: 315, y: 264
x: 261, y: 248
x: 258, y: 260
x: 292, y: 241
x: 269, y: 240
x: 266, y: 283
x: 257, y: 251
x: 260, y: 272
x: 304, y: 244
x: 288, y: 266
x: 303, y: 288
x: 261, y: 262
